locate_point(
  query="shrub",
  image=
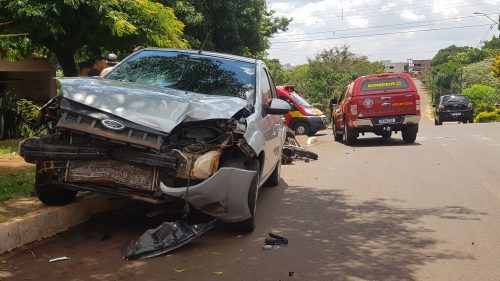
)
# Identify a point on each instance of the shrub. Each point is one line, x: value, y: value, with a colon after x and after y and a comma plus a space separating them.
x: 485, y: 117
x: 483, y: 107
x: 18, y: 119
x: 482, y: 94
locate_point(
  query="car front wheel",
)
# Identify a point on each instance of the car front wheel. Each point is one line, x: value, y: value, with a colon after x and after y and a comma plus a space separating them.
x: 336, y: 134
x: 301, y: 128
x: 248, y: 225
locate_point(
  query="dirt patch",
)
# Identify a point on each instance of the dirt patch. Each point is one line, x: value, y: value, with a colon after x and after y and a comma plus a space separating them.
x: 14, y: 163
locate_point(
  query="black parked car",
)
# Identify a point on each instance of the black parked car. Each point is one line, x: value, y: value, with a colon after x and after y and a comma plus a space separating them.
x: 454, y: 108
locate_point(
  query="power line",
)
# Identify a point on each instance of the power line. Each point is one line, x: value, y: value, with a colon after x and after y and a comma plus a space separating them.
x: 394, y: 12
x: 378, y: 26
x: 406, y: 6
x: 379, y: 34
x: 485, y: 35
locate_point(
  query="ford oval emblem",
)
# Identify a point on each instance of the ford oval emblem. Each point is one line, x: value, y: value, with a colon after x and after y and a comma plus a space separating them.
x: 112, y: 124
x: 368, y: 103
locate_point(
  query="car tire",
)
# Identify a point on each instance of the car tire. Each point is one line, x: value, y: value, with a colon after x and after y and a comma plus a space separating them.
x: 336, y: 135
x: 386, y: 134
x: 437, y: 122
x: 248, y: 225
x: 301, y: 128
x: 350, y: 135
x: 274, y: 179
x: 410, y: 133
x: 51, y: 194
x: 471, y: 120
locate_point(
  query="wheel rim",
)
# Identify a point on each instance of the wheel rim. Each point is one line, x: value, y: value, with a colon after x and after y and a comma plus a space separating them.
x: 300, y: 130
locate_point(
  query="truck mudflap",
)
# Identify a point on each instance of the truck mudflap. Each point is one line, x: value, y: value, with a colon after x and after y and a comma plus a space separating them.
x: 223, y: 196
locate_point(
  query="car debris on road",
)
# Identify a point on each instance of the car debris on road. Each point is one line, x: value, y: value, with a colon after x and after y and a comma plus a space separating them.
x: 165, y: 238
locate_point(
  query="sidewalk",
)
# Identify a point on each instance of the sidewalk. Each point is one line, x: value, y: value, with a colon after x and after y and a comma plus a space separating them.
x: 25, y: 220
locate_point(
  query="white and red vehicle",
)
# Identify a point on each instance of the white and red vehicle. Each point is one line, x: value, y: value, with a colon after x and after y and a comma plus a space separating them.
x: 378, y: 103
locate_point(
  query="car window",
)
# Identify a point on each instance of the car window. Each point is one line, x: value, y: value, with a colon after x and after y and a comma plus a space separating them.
x: 273, y: 87
x: 455, y: 99
x: 188, y: 72
x: 265, y: 87
x: 384, y: 84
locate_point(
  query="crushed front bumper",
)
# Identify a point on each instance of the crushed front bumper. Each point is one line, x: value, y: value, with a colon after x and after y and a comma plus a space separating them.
x: 138, y: 175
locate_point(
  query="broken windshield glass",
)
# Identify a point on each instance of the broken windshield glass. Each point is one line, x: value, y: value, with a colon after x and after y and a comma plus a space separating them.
x: 188, y: 72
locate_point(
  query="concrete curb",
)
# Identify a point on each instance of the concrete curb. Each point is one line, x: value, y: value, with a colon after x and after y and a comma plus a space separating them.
x: 52, y: 220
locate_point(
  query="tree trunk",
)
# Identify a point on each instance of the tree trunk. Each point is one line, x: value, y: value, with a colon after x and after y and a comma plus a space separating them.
x: 66, y: 58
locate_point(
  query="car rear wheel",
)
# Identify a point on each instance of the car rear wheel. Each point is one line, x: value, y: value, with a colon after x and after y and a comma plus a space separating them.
x: 350, y: 135
x: 437, y: 122
x: 51, y: 194
x: 336, y: 134
x: 301, y: 128
x: 471, y: 120
x: 248, y: 225
x: 410, y: 133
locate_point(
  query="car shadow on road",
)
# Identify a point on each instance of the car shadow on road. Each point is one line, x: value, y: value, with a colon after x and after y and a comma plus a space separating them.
x: 379, y: 141
x: 368, y: 240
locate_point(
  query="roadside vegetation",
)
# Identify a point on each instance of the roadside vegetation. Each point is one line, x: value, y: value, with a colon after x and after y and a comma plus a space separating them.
x: 474, y: 72
x: 14, y: 181
x: 325, y: 75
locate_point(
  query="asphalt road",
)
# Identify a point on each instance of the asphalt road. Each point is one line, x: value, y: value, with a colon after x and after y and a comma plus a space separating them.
x: 378, y: 210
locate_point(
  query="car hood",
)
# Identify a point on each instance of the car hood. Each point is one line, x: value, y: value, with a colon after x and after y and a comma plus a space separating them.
x: 160, y: 109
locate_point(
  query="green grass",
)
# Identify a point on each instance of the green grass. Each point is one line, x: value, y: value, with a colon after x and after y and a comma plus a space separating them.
x: 16, y: 183
x: 7, y: 147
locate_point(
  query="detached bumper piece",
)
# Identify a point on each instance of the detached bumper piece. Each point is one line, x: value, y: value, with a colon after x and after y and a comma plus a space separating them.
x: 165, y: 238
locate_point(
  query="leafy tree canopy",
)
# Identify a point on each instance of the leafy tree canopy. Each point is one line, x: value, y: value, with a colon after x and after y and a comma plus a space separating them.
x: 75, y: 28
x: 240, y: 27
x: 326, y: 74
x: 444, y: 55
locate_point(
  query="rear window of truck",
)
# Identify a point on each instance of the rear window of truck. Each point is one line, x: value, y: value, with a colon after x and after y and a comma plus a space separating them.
x: 384, y: 84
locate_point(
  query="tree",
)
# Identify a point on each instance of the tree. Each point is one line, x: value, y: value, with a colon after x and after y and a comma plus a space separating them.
x: 493, y: 44
x: 240, y: 27
x: 444, y: 55
x: 74, y: 28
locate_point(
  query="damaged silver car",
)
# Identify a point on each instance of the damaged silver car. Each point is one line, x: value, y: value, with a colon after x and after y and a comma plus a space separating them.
x: 165, y: 125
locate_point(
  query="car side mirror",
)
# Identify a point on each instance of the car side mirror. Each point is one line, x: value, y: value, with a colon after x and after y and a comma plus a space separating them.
x: 277, y: 107
x: 334, y: 101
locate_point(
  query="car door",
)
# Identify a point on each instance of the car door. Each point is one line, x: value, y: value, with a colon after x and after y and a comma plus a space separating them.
x: 338, y: 113
x: 270, y: 126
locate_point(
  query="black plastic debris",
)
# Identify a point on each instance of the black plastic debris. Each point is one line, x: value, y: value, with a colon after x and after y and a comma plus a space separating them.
x: 276, y: 240
x: 165, y: 238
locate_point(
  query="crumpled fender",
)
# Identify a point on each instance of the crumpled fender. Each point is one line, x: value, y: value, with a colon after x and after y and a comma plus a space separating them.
x: 228, y: 188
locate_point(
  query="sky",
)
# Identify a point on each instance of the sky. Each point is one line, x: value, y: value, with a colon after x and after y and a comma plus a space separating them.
x: 381, y: 30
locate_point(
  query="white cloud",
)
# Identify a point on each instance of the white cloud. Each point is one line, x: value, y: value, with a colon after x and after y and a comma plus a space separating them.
x: 358, y: 22
x: 411, y: 16
x: 387, y: 7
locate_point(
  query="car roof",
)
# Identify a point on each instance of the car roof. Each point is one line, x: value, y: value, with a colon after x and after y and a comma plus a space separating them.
x: 204, y: 53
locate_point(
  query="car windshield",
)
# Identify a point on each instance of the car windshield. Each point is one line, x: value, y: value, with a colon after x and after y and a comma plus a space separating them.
x: 296, y: 97
x: 455, y: 99
x: 188, y: 72
x: 384, y: 84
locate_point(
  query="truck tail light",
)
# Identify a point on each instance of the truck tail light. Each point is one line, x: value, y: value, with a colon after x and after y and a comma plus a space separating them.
x: 417, y: 105
x: 354, y: 109
x: 469, y: 106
